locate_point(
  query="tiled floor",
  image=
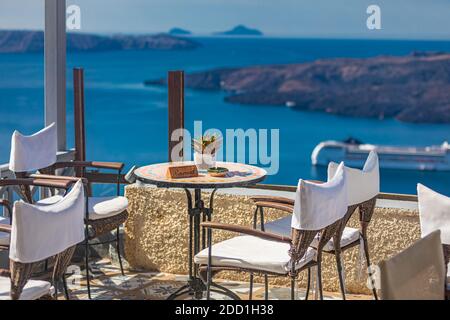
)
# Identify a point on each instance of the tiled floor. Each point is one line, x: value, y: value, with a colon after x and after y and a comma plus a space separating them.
x: 109, y: 284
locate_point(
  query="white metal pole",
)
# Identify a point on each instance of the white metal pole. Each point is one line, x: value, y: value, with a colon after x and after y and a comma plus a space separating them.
x: 55, y: 67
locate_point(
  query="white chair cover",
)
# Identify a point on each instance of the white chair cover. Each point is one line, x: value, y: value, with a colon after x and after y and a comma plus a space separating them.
x: 40, y: 231
x: 320, y: 205
x: 31, y: 153
x: 362, y: 184
x: 434, y: 212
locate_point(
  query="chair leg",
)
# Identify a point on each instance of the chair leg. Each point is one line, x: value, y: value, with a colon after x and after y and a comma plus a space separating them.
x: 66, y: 291
x: 366, y: 212
x: 292, y: 288
x: 118, y: 251
x: 208, y: 284
x: 266, y: 287
x: 255, y: 222
x: 319, y: 277
x: 88, y: 280
x: 209, y: 271
x: 56, y: 289
x: 250, y: 292
x: 337, y: 255
x: 369, y: 268
x: 308, y: 284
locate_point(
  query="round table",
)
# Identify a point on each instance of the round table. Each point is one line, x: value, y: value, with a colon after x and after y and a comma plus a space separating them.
x: 239, y: 175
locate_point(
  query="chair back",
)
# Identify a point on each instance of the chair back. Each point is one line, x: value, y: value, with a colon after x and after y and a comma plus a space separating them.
x: 417, y: 273
x: 34, y: 152
x: 40, y: 231
x: 316, y: 208
x: 434, y: 212
x: 319, y: 205
x: 362, y: 185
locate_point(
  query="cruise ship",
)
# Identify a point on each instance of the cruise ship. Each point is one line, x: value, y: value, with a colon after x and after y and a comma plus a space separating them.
x: 354, y: 154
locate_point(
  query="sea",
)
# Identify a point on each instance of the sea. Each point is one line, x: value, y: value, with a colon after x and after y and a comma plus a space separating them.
x: 127, y: 121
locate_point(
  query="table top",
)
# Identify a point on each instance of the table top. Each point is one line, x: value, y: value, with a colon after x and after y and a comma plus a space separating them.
x: 239, y: 175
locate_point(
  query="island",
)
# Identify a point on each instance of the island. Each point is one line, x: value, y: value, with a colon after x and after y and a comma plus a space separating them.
x: 413, y: 88
x: 18, y: 41
x: 179, y: 32
x: 240, y: 30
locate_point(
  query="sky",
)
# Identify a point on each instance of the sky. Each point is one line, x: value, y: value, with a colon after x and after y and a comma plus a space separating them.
x: 406, y: 19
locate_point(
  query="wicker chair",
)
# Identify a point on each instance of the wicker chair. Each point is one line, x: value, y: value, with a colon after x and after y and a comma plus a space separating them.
x: 434, y: 212
x: 363, y: 188
x: 417, y: 273
x: 319, y: 209
x: 103, y: 214
x: 32, y: 242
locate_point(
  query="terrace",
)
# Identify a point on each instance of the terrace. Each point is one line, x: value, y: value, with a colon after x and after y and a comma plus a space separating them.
x: 156, y: 241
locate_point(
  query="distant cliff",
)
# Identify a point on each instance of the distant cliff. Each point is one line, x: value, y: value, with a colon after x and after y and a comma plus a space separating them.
x: 33, y: 41
x: 179, y: 32
x: 413, y: 88
x: 240, y: 30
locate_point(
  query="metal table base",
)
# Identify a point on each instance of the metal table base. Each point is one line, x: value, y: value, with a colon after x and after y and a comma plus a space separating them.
x: 197, y: 241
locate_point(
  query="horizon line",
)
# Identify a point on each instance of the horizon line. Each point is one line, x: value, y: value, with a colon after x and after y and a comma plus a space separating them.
x: 264, y: 35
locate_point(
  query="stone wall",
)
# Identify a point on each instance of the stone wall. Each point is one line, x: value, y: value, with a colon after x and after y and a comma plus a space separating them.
x: 156, y: 235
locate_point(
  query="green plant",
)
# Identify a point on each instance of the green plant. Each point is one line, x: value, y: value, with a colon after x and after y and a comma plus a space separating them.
x: 207, y: 144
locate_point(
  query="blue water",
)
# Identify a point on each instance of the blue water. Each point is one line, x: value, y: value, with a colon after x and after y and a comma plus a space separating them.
x: 128, y: 122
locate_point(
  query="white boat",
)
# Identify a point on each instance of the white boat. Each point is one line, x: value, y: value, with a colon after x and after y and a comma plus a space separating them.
x: 354, y: 154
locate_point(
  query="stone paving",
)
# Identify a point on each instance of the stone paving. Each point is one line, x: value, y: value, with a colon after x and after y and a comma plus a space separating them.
x: 109, y: 284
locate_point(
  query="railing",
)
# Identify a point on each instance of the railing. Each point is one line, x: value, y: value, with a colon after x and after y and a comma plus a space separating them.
x: 110, y: 178
x: 383, y: 195
x: 107, y: 178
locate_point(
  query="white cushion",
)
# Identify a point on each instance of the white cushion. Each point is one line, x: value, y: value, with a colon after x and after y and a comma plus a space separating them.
x: 320, y: 205
x: 99, y: 207
x: 34, y: 289
x: 434, y: 212
x: 282, y: 227
x: 104, y: 207
x: 31, y: 153
x: 4, y: 236
x: 253, y: 253
x: 363, y: 184
x: 349, y: 235
x: 40, y: 231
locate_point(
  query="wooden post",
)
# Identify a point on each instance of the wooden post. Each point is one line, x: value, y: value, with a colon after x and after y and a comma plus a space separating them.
x: 176, y: 109
x: 78, y: 106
